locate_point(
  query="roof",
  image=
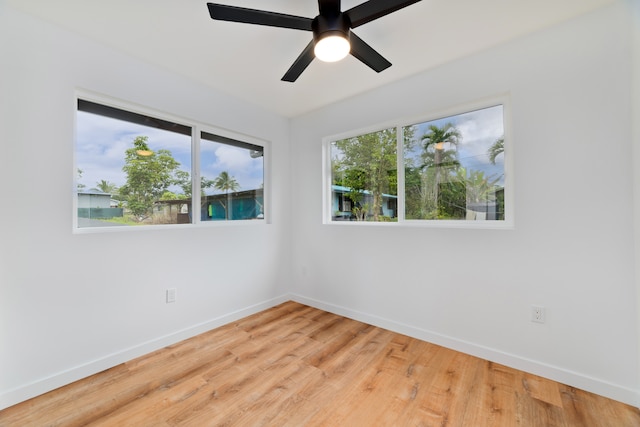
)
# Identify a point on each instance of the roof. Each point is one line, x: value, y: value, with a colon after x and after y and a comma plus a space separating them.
x: 342, y: 189
x: 94, y: 193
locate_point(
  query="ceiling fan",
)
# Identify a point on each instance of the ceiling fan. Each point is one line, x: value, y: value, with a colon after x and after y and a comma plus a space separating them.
x: 332, y: 35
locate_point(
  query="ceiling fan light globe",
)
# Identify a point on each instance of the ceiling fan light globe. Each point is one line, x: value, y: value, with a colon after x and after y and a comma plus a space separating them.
x: 332, y: 48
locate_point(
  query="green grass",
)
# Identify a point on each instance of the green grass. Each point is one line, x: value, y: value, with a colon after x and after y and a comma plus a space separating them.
x: 122, y: 220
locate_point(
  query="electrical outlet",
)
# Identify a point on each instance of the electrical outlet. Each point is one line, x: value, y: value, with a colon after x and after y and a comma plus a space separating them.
x: 171, y: 295
x: 537, y: 314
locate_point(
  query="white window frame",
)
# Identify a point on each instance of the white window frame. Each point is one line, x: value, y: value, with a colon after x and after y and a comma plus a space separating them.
x: 197, y: 127
x: 509, y: 182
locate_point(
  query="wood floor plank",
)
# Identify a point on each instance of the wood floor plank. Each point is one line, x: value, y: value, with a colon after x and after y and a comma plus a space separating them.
x: 500, y: 400
x: 294, y: 365
x: 310, y: 399
x: 61, y: 408
x: 260, y: 391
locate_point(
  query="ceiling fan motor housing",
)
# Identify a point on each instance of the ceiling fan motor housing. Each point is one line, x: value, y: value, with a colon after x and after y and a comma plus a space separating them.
x: 335, y: 25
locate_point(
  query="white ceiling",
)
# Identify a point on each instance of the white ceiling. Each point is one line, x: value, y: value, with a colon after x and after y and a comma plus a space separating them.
x: 248, y: 61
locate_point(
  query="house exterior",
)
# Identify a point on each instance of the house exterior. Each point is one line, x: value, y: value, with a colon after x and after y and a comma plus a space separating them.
x: 342, y: 205
x: 97, y: 204
x: 243, y: 205
x: 93, y: 199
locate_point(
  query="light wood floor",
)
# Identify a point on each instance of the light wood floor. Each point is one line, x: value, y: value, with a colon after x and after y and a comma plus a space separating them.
x: 294, y: 365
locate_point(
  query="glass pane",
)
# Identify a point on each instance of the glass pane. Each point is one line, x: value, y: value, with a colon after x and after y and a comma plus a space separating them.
x: 454, y: 167
x: 364, y: 177
x: 232, y: 179
x: 132, y: 170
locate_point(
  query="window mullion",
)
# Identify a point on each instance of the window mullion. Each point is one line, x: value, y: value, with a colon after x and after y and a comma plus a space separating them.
x: 400, y: 172
x: 195, y: 177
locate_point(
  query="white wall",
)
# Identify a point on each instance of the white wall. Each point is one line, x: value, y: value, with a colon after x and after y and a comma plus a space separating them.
x: 635, y: 113
x: 572, y: 249
x: 59, y: 320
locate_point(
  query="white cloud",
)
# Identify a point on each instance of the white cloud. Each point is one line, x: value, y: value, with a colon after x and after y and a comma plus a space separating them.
x: 101, y: 143
x: 481, y: 128
x: 231, y: 158
x: 247, y: 171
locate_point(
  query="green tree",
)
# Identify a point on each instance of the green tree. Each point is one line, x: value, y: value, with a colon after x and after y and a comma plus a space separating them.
x: 225, y: 182
x: 439, y: 161
x: 149, y: 175
x: 495, y: 150
x: 452, y: 203
x: 106, y: 187
x: 479, y: 187
x: 170, y: 195
x: 412, y: 189
x: 368, y: 162
x: 183, y: 180
x: 80, y: 185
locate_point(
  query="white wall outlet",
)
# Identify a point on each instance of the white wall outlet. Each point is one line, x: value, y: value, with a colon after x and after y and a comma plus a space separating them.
x: 538, y: 314
x: 171, y: 295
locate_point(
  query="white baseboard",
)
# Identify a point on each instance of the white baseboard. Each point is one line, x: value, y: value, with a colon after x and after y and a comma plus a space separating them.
x: 574, y: 379
x: 564, y: 376
x: 36, y: 388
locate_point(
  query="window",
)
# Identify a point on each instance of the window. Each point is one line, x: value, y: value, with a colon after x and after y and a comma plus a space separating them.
x: 234, y: 171
x: 136, y: 169
x: 364, y: 172
x: 452, y: 170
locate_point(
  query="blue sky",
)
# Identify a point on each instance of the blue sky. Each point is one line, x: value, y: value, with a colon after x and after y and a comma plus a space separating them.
x: 216, y: 157
x: 101, y: 143
x: 479, y: 130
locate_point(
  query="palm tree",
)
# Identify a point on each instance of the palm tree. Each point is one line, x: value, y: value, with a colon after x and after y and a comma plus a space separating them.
x: 479, y: 187
x: 106, y: 186
x: 435, y: 153
x: 80, y: 186
x: 495, y: 150
x: 225, y: 182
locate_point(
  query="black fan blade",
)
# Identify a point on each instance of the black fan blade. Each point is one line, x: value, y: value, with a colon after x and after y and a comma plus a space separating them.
x: 300, y: 64
x: 260, y: 17
x: 367, y: 54
x: 374, y: 9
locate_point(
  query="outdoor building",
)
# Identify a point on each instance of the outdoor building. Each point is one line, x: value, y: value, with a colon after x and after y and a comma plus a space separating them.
x: 93, y: 199
x: 96, y: 204
x: 342, y: 205
x: 248, y: 204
